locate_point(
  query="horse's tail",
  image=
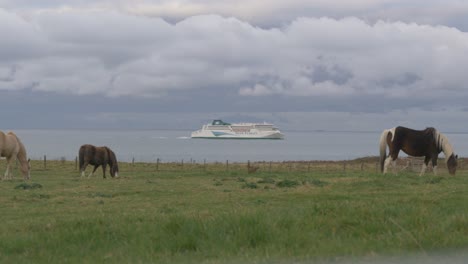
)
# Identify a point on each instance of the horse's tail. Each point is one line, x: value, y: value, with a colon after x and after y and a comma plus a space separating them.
x: 81, y: 153
x: 383, y: 148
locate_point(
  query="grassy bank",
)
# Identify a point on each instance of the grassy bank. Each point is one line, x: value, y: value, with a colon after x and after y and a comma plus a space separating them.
x: 228, y: 216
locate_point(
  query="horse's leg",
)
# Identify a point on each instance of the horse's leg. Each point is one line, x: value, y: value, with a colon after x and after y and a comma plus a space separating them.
x: 7, y: 170
x: 424, y: 165
x: 394, y: 167
x: 104, y: 170
x: 392, y: 156
x: 388, y: 160
x: 92, y: 173
x: 111, y: 170
x: 83, y: 168
x: 8, y: 173
x: 434, y: 164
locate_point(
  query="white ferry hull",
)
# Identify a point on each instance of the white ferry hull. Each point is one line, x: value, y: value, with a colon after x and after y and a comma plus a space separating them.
x: 229, y: 135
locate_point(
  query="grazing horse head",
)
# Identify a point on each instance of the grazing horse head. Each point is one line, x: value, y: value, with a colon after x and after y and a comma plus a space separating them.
x: 452, y: 163
x: 114, y: 166
x: 25, y: 163
x: 451, y: 159
x: 427, y: 143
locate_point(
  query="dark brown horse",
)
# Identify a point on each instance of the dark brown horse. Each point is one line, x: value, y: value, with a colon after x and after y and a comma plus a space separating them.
x: 427, y: 143
x: 98, y: 156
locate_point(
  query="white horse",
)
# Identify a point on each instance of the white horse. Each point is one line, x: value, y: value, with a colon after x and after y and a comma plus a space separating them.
x: 11, y: 148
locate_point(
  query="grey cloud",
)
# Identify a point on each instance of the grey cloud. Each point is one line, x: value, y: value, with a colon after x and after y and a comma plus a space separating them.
x: 8, y: 74
x: 21, y: 39
x: 334, y: 65
x: 270, y: 13
x: 404, y: 79
x: 274, y: 13
x: 336, y: 74
x: 323, y: 59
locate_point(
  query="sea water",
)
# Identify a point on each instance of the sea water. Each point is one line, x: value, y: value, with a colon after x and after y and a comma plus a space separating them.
x: 176, y: 145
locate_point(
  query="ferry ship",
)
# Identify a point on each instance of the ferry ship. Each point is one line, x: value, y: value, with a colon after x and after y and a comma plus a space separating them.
x: 222, y: 130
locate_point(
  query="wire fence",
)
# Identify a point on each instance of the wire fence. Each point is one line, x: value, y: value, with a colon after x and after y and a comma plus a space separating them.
x: 366, y: 164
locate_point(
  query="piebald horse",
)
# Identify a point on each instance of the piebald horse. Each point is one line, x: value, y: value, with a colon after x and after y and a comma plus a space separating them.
x: 98, y: 156
x: 12, y: 149
x: 427, y: 143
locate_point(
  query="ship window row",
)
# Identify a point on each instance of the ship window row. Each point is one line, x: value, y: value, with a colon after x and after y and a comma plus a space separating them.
x: 219, y: 127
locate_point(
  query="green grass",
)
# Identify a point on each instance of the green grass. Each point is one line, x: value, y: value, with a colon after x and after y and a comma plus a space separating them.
x: 218, y: 216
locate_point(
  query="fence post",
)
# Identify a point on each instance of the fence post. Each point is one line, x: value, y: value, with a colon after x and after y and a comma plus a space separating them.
x: 76, y: 163
x: 182, y: 164
x: 157, y: 164
x: 45, y: 162
x: 204, y: 164
x: 227, y: 165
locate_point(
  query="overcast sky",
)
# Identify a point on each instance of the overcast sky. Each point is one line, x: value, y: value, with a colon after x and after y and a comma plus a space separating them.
x: 301, y: 64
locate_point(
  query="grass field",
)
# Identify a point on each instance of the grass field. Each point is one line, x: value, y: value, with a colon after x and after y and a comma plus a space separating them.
x: 214, y: 215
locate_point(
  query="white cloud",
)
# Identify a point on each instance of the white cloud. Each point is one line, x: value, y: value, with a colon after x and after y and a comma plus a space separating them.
x: 267, y: 13
x: 116, y: 54
x: 278, y: 12
x: 256, y: 90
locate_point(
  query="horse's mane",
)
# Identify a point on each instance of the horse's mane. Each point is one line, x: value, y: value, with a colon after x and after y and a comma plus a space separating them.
x: 443, y: 144
x: 430, y: 131
x: 22, y: 155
